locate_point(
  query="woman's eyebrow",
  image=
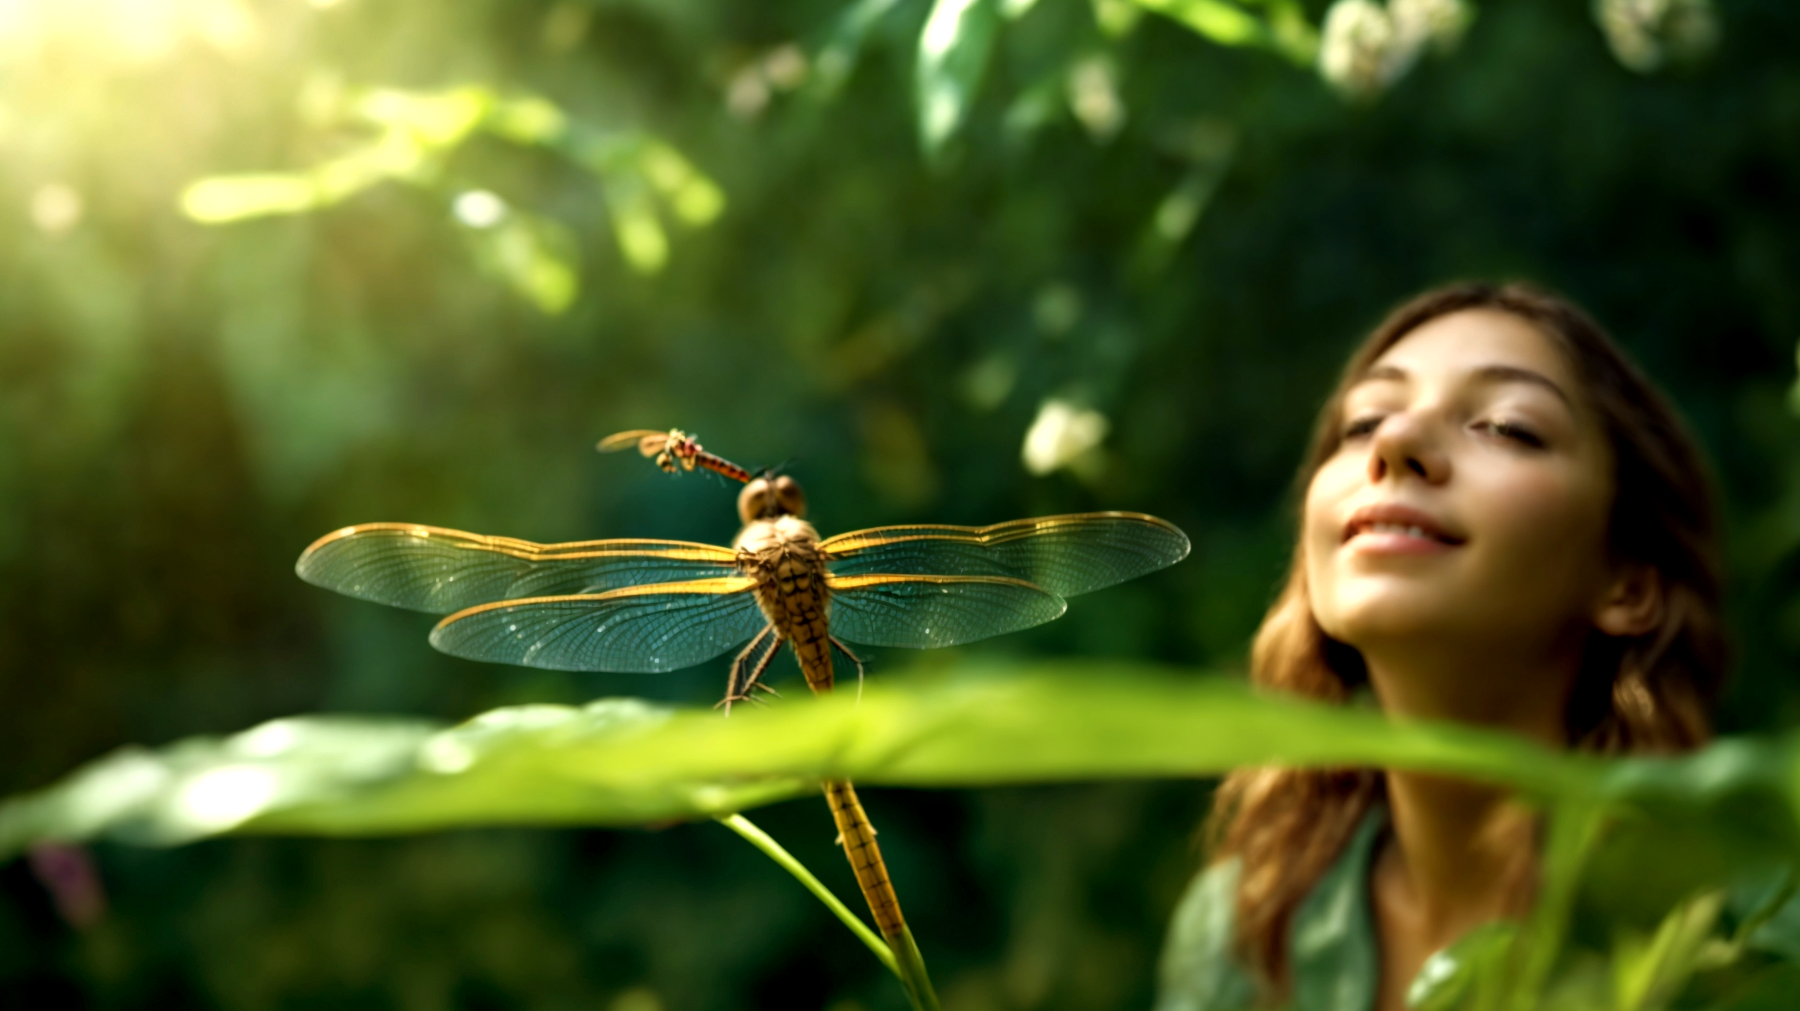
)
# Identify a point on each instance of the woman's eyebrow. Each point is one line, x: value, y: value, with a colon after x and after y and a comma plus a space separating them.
x: 1489, y: 374
x: 1515, y: 374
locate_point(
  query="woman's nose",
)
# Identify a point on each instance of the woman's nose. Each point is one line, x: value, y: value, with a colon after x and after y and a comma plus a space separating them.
x: 1408, y: 445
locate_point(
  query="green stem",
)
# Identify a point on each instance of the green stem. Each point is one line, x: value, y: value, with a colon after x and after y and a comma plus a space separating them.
x: 762, y: 841
x: 912, y: 971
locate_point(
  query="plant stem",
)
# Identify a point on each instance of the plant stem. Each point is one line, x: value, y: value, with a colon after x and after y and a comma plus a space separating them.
x: 763, y: 841
x: 912, y: 971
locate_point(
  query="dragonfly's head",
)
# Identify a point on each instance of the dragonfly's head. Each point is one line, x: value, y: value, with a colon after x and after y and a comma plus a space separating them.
x: 766, y: 498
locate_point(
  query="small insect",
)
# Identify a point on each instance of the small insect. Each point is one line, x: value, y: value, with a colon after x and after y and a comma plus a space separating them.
x: 672, y: 448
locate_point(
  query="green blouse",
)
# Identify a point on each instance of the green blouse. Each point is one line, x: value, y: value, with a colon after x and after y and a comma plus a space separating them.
x: 1332, y: 945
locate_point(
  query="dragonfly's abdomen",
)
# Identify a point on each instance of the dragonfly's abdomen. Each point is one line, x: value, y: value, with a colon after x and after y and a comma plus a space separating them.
x: 858, y: 838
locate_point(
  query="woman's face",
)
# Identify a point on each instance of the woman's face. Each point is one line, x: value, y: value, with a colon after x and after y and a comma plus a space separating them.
x: 1468, y: 502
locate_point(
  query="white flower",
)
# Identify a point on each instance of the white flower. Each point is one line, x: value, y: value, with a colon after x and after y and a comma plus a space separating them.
x: 1355, y: 50
x: 1646, y: 34
x: 1366, y: 47
x: 478, y: 208
x: 1061, y: 435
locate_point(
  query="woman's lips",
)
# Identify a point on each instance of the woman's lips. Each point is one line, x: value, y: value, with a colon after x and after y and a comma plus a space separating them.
x: 1382, y: 542
x: 1393, y: 529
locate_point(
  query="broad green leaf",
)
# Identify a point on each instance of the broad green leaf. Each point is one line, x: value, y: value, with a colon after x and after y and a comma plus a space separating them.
x: 953, y: 53
x: 334, y: 775
x: 621, y: 761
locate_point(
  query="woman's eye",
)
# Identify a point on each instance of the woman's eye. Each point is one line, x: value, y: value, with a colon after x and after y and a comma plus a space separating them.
x: 1359, y: 427
x: 1512, y: 430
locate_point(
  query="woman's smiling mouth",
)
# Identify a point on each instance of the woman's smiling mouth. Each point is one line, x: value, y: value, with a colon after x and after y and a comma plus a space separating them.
x: 1394, y: 529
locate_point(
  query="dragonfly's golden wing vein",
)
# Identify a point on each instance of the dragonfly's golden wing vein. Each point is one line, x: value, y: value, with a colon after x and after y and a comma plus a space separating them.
x: 439, y: 571
x: 1065, y: 555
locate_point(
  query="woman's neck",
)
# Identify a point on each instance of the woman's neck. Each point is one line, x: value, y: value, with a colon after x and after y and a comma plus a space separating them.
x: 1461, y: 853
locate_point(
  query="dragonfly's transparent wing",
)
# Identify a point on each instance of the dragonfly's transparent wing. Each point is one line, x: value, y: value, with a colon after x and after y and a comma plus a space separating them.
x: 637, y: 629
x: 922, y: 612
x: 1065, y: 555
x: 439, y: 571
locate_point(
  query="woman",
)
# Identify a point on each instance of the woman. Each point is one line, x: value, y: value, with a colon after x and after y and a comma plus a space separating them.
x: 1505, y: 525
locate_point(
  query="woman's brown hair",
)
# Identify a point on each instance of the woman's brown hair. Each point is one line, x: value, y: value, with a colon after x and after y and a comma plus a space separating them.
x: 1647, y: 693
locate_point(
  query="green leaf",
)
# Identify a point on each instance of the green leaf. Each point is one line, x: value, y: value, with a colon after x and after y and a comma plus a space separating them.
x: 953, y: 53
x: 528, y: 120
x: 1649, y: 972
x: 622, y: 761
x: 218, y: 199
x: 1287, y: 31
x: 536, y: 257
x: 1221, y: 22
x: 335, y: 775
x: 695, y: 199
x: 837, y: 57
x: 439, y: 120
x: 635, y: 225
x: 1451, y: 977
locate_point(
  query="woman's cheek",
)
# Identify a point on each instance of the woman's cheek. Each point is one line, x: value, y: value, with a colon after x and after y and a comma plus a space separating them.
x: 1540, y: 525
x: 1323, y: 536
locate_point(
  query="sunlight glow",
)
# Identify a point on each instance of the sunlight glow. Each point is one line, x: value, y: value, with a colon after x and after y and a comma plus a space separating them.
x: 221, y: 798
x: 126, y: 31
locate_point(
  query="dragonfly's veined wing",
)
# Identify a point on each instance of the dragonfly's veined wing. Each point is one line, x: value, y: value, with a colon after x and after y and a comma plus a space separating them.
x: 632, y: 630
x: 439, y: 571
x: 921, y: 612
x: 1065, y: 555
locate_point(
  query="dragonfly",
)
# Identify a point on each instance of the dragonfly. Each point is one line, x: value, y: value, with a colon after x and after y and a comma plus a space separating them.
x: 634, y: 605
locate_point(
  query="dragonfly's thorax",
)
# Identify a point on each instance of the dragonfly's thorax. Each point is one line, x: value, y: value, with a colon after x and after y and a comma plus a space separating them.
x: 781, y: 532
x: 784, y: 558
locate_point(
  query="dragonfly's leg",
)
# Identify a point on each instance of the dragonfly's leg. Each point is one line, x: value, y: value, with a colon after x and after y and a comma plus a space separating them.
x: 857, y: 660
x: 755, y: 679
x: 732, y: 693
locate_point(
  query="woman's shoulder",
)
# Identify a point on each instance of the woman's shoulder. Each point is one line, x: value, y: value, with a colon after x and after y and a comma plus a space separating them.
x: 1199, y: 970
x: 1331, y: 939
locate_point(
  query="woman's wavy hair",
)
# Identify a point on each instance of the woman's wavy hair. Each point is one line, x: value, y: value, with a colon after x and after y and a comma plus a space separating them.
x: 1652, y: 692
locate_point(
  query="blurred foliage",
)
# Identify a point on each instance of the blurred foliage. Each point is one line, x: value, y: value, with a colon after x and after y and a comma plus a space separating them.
x: 1143, y: 243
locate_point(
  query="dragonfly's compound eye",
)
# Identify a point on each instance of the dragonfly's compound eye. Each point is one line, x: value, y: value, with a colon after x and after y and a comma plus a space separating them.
x: 789, y: 497
x: 756, y: 501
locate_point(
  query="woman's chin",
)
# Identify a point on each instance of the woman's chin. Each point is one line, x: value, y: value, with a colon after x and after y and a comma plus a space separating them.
x: 1392, y: 616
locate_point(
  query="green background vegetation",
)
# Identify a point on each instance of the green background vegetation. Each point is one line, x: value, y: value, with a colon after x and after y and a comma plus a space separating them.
x: 719, y: 216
